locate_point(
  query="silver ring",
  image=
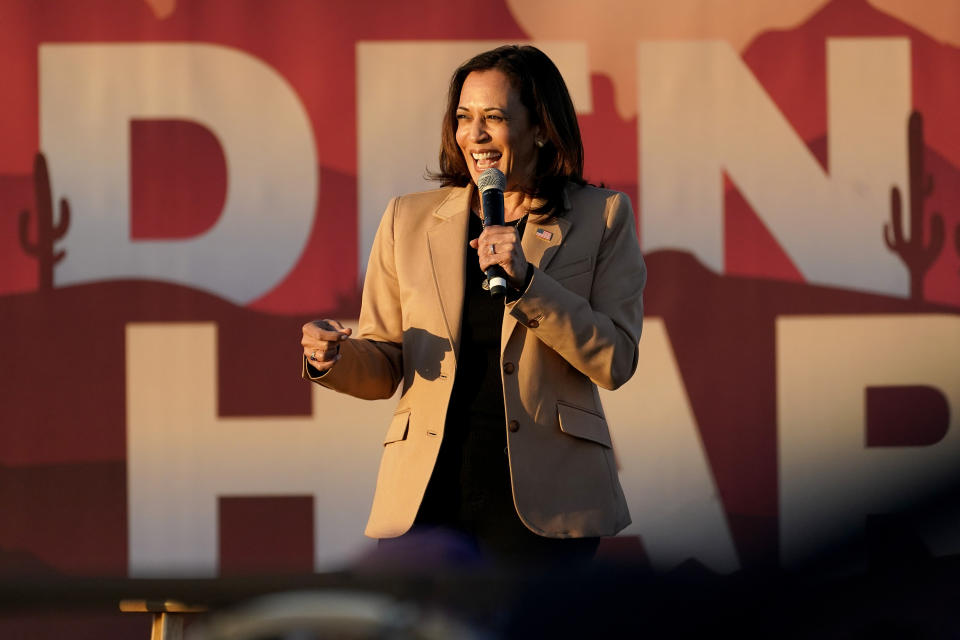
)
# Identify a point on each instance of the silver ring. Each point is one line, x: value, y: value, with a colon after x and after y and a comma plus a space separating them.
x: 313, y: 356
x: 493, y: 249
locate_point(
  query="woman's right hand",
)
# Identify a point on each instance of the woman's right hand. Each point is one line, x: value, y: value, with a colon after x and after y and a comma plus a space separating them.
x: 321, y: 342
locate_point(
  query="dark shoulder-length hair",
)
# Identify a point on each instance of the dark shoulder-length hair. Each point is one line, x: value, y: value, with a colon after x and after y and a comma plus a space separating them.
x: 544, y: 93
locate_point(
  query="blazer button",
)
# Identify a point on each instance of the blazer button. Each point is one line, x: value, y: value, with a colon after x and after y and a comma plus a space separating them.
x: 533, y: 324
x: 509, y: 367
x: 514, y: 426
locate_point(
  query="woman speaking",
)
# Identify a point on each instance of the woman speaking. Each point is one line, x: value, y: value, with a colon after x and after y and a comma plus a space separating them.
x: 499, y: 433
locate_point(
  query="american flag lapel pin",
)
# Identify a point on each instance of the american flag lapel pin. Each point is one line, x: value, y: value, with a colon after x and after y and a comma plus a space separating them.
x: 543, y: 234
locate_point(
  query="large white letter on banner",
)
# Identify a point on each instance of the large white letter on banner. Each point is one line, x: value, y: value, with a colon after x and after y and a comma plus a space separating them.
x: 829, y: 479
x: 181, y: 456
x: 702, y: 113
x: 89, y: 93
x: 667, y: 479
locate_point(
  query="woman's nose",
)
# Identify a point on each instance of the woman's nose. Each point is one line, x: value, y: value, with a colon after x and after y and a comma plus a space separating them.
x: 478, y: 129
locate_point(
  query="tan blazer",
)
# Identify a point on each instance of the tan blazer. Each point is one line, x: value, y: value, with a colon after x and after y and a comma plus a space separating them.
x: 575, y: 327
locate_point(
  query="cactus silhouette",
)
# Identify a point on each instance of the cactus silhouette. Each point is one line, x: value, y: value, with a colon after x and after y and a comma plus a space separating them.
x: 915, y: 255
x: 47, y: 233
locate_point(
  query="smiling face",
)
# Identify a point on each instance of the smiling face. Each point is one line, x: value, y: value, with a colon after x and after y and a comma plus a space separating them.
x: 494, y: 130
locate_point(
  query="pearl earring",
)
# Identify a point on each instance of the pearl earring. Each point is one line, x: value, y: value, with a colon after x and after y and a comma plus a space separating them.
x: 538, y: 142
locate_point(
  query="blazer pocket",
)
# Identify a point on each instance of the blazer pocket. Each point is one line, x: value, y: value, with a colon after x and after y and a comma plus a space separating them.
x: 585, y: 424
x: 571, y: 269
x: 399, y: 426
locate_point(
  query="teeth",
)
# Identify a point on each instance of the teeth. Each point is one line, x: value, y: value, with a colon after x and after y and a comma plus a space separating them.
x: 486, y: 155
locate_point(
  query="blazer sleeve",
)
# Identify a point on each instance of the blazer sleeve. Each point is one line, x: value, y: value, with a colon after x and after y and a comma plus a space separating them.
x: 598, y: 336
x: 371, y: 362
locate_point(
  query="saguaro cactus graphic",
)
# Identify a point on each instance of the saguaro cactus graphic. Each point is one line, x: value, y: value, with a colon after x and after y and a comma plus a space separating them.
x: 917, y: 256
x: 47, y: 233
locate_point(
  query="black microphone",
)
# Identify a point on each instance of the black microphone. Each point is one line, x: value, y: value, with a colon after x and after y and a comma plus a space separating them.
x: 491, y: 184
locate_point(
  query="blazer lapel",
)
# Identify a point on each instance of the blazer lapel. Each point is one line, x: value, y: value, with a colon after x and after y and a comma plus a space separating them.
x: 541, y: 240
x: 447, y: 242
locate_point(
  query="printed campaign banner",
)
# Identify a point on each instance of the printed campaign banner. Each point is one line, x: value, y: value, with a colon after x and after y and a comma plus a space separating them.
x: 184, y: 183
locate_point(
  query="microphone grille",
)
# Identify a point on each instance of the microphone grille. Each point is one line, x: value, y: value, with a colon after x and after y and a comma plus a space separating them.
x: 492, y: 178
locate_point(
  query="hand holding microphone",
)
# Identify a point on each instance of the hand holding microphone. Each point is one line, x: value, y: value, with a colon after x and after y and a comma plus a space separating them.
x: 501, y: 256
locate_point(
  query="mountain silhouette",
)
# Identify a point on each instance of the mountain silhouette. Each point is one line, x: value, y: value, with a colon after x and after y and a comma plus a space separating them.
x: 65, y: 408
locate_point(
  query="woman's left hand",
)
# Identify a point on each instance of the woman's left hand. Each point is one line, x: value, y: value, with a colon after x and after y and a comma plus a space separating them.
x: 501, y: 245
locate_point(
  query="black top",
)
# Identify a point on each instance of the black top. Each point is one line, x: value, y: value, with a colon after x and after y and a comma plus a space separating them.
x: 471, y: 474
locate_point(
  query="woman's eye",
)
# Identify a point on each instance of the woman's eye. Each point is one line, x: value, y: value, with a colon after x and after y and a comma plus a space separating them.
x: 461, y: 116
x: 495, y: 118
